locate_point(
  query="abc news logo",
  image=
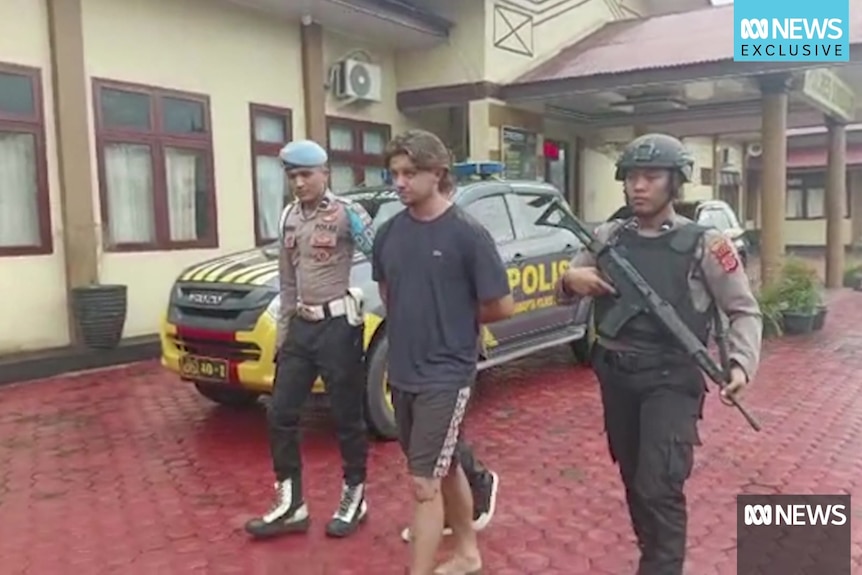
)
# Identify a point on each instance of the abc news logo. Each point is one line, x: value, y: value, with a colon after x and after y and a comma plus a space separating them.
x: 791, y: 29
x: 795, y: 515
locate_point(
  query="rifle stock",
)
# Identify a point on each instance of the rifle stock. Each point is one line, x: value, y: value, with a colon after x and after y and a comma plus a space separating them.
x: 632, y: 287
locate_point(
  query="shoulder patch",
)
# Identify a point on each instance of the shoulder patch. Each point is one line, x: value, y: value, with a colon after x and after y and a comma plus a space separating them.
x: 719, y: 247
x: 361, y: 229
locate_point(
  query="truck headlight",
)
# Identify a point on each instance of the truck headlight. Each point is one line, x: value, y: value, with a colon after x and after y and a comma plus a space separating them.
x: 273, y: 310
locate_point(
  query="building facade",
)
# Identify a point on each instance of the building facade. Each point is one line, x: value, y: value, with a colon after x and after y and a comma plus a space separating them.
x: 139, y: 137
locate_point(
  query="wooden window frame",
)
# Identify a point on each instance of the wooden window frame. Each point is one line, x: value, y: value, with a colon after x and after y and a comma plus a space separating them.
x: 356, y: 159
x: 810, y: 180
x: 264, y: 149
x: 34, y: 125
x: 158, y: 140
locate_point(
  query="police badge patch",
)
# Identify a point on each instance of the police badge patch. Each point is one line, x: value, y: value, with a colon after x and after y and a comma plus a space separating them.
x: 724, y: 253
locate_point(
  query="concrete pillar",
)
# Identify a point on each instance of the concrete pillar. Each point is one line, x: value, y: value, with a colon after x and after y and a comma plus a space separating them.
x: 314, y: 82
x: 71, y: 112
x: 774, y: 91
x: 836, y: 192
x: 481, y: 144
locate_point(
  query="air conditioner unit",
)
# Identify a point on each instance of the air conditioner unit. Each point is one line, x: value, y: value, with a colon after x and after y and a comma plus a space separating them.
x: 754, y: 150
x: 358, y: 80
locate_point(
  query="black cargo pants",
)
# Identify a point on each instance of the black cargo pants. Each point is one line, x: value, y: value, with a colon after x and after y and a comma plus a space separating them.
x: 652, y: 404
x: 332, y: 349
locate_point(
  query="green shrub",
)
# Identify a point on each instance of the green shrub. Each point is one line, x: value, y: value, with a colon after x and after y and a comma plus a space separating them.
x: 799, y: 287
x: 850, y: 274
x: 772, y: 308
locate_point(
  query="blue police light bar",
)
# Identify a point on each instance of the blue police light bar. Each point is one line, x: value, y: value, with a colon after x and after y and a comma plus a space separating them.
x: 481, y: 169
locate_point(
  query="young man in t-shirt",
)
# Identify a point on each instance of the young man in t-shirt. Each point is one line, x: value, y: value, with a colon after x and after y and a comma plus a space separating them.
x: 441, y: 277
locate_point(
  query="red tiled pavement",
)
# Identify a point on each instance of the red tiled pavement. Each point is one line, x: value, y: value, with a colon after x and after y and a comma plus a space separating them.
x: 129, y: 471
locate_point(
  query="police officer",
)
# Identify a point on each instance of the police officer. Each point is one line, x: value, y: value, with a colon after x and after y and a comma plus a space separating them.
x: 652, y: 392
x: 319, y: 333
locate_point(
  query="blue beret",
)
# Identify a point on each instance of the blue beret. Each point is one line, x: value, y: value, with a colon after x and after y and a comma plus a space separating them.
x: 303, y: 154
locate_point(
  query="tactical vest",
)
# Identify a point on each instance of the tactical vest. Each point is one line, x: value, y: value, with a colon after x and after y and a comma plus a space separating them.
x: 665, y: 262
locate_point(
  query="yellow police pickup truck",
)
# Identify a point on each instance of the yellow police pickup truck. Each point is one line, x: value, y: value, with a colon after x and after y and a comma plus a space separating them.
x: 219, y: 329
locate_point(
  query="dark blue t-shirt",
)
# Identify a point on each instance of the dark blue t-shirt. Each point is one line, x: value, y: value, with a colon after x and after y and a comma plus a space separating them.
x: 436, y: 274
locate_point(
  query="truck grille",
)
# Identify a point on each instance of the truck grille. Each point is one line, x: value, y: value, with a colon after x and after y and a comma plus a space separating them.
x: 237, y: 351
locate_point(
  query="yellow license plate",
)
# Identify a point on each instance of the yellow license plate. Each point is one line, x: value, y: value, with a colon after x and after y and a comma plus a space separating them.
x: 195, y: 367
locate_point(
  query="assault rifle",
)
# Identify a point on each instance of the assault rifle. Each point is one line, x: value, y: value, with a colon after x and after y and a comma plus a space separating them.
x: 638, y: 296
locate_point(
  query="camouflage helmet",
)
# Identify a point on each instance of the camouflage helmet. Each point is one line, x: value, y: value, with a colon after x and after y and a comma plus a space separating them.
x: 656, y: 151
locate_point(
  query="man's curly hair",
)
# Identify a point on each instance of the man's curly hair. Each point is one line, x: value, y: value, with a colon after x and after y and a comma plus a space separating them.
x: 426, y: 151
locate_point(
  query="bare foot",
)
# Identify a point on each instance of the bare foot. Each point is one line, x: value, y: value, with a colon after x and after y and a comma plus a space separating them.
x: 460, y: 565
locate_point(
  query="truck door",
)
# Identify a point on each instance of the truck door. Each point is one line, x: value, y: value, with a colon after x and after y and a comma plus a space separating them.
x: 491, y: 210
x: 546, y: 252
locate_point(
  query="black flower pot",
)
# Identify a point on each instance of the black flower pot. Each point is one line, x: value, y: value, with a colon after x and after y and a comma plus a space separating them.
x: 819, y: 318
x: 100, y: 314
x: 797, y: 323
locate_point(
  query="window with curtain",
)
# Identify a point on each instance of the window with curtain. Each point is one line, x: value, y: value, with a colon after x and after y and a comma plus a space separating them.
x: 155, y: 164
x: 814, y: 203
x: 356, y: 153
x: 806, y: 196
x: 271, y: 129
x: 794, y: 206
x: 25, y: 225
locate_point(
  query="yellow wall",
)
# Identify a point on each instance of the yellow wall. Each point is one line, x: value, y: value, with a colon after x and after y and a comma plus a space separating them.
x: 460, y: 60
x: 236, y: 57
x: 35, y: 308
x: 812, y: 232
x: 339, y: 46
x: 555, y: 25
x: 478, y: 49
x: 602, y: 195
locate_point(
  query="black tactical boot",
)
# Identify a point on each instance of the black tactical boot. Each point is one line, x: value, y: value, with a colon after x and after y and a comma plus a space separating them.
x: 350, y: 513
x: 288, y: 514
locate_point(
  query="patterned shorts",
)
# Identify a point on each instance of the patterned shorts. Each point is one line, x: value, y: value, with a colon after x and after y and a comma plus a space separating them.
x: 429, y: 426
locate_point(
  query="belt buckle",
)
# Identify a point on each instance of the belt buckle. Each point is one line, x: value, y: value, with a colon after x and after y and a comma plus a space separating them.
x: 308, y: 313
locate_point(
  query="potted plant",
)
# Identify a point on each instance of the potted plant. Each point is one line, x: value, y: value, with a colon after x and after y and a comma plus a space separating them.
x: 769, y: 299
x: 100, y: 314
x: 852, y: 275
x: 800, y: 295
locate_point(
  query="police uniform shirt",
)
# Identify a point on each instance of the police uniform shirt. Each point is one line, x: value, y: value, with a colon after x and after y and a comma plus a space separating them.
x: 722, y: 276
x: 316, y: 254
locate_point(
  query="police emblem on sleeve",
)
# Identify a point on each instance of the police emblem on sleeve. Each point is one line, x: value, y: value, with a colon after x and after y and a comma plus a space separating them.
x: 724, y: 254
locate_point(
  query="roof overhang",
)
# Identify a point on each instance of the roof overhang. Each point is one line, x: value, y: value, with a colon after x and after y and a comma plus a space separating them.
x: 682, y: 47
x: 810, y: 158
x: 545, y: 89
x: 397, y: 23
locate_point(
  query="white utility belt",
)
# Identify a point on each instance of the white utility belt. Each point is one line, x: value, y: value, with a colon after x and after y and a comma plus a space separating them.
x: 351, y: 305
